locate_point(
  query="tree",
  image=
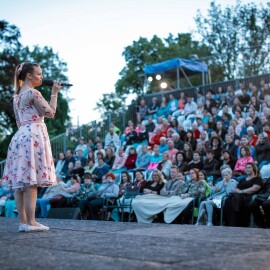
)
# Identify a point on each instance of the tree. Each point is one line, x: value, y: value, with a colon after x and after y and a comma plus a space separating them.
x: 109, y: 103
x: 144, y: 52
x: 11, y: 54
x: 237, y: 36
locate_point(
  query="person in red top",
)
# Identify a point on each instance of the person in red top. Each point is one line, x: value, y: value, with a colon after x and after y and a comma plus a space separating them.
x: 131, y: 159
x: 155, y: 139
x: 266, y: 129
x: 251, y: 136
x: 172, y: 151
x: 196, y: 131
x: 165, y: 127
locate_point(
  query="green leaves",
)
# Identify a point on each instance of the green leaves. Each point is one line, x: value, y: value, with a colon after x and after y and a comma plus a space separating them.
x: 11, y: 54
x: 238, y: 37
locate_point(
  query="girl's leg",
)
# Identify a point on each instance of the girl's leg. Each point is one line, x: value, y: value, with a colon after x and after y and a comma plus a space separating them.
x: 30, y: 198
x: 19, y: 198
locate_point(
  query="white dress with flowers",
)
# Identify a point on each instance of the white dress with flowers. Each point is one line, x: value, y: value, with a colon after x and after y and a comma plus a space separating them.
x: 29, y: 159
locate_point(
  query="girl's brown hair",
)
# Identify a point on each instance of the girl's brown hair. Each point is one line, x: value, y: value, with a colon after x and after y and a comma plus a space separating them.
x: 21, y: 72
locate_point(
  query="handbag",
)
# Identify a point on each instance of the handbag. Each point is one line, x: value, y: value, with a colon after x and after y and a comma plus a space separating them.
x: 217, y: 202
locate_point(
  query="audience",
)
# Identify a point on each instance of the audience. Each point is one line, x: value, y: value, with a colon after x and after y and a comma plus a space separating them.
x: 208, y: 132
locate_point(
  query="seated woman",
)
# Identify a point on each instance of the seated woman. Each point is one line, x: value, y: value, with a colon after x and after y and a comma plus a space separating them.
x: 156, y: 184
x: 221, y: 189
x: 236, y: 212
x: 154, y: 140
x: 147, y: 206
x: 180, y: 161
x: 88, y: 186
x: 109, y: 157
x: 138, y: 182
x: 60, y: 168
x: 119, y: 162
x: 67, y: 192
x: 130, y: 162
x: 125, y: 181
x: 240, y: 166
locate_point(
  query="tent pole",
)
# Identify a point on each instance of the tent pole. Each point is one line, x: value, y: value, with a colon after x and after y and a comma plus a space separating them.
x: 178, y: 78
x: 209, y: 75
x: 203, y: 82
x: 186, y: 77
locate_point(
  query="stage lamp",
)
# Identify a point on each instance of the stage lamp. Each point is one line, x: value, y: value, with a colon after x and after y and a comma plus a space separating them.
x: 150, y: 79
x: 163, y: 85
x: 158, y: 77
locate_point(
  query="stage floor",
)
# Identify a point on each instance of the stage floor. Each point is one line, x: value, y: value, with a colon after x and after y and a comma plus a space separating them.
x: 81, y: 244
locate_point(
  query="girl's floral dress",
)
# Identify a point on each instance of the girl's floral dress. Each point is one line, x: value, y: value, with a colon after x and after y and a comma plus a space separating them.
x: 29, y: 159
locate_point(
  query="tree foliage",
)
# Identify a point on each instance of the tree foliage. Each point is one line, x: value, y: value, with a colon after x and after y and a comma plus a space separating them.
x: 144, y: 52
x: 11, y: 54
x: 238, y: 37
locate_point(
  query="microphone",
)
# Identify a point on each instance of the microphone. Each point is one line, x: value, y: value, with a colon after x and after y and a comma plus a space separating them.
x: 50, y: 83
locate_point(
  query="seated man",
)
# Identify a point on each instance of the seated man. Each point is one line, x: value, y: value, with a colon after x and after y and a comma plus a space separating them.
x: 211, y: 167
x: 195, y: 162
x: 100, y: 170
x: 143, y: 159
x: 79, y: 157
x: 163, y: 146
x: 112, y: 139
x: 83, y: 147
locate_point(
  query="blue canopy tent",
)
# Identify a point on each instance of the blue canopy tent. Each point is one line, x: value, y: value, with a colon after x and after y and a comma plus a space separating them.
x: 172, y: 68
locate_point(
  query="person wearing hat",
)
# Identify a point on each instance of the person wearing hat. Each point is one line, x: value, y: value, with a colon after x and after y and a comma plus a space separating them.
x: 108, y: 191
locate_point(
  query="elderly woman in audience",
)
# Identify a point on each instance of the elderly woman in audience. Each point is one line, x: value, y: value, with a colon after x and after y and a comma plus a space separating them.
x: 221, y: 189
x: 163, y: 146
x: 108, y: 191
x: 236, y: 211
x: 155, y: 139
